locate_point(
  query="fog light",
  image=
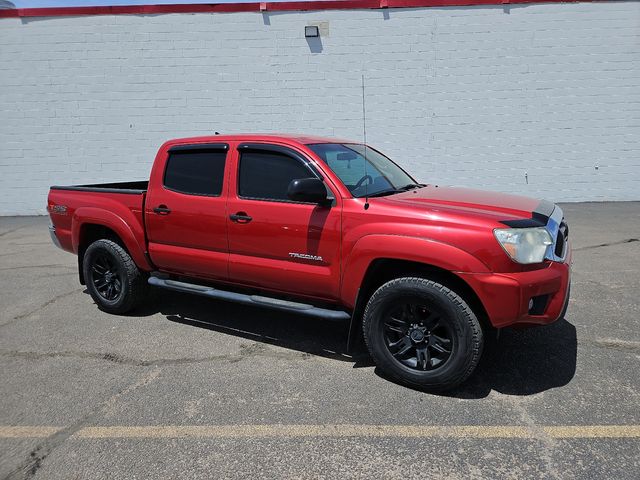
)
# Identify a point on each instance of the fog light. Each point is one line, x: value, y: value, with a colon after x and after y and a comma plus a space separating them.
x: 538, y: 304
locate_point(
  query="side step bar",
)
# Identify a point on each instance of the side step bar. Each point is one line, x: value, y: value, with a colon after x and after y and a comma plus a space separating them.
x: 256, y: 300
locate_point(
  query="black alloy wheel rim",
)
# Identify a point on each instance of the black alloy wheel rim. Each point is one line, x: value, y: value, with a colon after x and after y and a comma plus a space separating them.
x: 418, y: 336
x: 106, y: 277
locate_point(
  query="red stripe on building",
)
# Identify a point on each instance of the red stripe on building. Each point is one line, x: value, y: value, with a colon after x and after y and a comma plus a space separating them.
x: 256, y: 7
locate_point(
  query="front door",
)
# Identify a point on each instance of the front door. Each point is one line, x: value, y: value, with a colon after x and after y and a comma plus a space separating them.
x: 186, y: 212
x: 274, y: 242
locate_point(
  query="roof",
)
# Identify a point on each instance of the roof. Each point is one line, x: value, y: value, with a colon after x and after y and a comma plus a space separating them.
x: 66, y: 8
x: 256, y: 137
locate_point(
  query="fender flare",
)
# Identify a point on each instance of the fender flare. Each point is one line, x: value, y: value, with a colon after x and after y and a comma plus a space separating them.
x: 395, y: 247
x: 113, y: 221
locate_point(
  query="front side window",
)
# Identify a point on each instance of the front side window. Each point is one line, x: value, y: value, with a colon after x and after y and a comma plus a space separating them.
x: 266, y: 175
x: 195, y: 172
x: 363, y: 170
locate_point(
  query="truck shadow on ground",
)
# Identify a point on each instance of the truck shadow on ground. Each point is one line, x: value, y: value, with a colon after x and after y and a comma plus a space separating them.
x: 524, y: 362
x: 521, y: 362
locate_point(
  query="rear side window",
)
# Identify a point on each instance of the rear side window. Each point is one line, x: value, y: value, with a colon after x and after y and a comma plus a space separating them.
x: 196, y: 172
x: 266, y: 175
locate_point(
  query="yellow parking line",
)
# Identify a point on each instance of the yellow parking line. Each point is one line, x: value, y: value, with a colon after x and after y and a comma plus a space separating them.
x: 361, y: 431
x: 294, y: 431
x: 594, y: 431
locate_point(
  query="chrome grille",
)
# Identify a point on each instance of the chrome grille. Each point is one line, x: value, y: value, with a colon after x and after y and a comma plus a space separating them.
x: 561, y: 239
x: 559, y: 231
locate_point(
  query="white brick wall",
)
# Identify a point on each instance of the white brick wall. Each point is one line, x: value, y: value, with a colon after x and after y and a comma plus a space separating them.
x: 467, y: 96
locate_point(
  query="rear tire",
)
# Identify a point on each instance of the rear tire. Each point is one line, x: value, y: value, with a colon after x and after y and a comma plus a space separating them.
x: 112, y: 277
x: 422, y: 334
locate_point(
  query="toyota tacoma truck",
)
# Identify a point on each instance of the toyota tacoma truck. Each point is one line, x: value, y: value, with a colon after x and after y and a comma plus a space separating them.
x: 324, y: 228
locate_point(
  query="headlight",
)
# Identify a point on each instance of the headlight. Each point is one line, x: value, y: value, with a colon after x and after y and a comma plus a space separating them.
x: 524, y: 245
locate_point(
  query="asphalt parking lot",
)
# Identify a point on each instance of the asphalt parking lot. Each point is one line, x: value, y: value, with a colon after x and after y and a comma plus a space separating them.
x: 194, y: 388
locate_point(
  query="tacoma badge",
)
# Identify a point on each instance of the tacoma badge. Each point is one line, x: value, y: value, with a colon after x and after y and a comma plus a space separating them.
x: 306, y: 256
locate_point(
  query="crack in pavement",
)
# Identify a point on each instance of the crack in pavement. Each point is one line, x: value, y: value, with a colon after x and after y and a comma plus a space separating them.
x: 44, y: 305
x: 538, y: 433
x: 30, y: 466
x: 610, y: 285
x: 621, y: 242
x: 13, y: 254
x: 35, y: 248
x: 21, y: 267
x: 13, y: 230
x: 20, y: 244
x: 245, y: 352
x: 614, y: 344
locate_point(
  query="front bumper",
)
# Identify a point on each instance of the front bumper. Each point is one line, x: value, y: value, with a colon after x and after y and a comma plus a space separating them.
x: 506, y: 296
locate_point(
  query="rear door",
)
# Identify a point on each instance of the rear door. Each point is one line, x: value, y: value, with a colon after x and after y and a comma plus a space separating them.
x: 186, y: 212
x: 274, y: 242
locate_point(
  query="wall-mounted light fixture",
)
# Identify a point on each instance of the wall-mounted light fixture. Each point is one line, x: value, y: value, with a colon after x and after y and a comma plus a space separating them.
x: 311, y: 31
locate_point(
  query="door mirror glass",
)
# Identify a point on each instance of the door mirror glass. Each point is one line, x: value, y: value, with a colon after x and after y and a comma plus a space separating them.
x: 311, y: 190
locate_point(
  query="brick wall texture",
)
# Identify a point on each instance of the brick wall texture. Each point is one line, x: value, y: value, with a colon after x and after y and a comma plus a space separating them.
x: 542, y: 100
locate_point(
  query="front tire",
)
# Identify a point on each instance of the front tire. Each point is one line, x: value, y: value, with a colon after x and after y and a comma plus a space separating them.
x: 112, y: 277
x: 422, y: 334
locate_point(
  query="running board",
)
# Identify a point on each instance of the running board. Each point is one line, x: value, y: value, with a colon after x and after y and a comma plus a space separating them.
x: 255, y: 300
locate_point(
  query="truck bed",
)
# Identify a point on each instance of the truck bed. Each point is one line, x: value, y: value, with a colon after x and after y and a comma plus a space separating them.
x: 119, y: 207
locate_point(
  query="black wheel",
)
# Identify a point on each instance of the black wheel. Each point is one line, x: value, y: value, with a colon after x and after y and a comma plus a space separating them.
x: 422, y: 334
x: 112, y: 278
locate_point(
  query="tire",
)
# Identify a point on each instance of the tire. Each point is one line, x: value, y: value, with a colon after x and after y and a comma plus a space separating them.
x: 422, y: 334
x: 112, y: 278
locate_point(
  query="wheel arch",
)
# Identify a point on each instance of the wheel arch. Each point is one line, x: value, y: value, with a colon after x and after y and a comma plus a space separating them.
x: 89, y: 233
x: 91, y: 223
x: 383, y: 270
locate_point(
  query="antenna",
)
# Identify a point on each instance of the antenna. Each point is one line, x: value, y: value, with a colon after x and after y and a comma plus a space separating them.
x: 364, y: 135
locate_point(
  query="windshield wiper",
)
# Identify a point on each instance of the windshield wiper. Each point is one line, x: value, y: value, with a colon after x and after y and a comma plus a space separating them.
x: 384, y: 193
x: 411, y: 186
x: 391, y: 191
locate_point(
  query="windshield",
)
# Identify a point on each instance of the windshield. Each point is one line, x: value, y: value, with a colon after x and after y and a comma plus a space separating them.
x: 363, y: 170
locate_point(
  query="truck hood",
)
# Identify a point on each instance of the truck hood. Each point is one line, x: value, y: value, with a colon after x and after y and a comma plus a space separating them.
x: 501, y: 206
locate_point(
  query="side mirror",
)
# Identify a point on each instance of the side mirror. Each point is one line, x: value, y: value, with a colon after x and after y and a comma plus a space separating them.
x: 311, y: 190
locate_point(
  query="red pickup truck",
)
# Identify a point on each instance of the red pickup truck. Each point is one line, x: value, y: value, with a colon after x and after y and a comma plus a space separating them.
x: 326, y: 228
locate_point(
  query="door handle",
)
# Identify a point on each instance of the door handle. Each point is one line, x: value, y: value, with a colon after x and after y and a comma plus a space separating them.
x: 240, y: 217
x: 162, y: 210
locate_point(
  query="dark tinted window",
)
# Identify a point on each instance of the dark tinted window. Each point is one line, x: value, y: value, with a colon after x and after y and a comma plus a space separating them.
x: 198, y: 172
x: 268, y: 174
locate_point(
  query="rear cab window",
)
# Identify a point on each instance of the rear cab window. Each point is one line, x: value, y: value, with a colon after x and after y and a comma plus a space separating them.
x: 196, y: 170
